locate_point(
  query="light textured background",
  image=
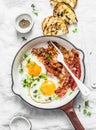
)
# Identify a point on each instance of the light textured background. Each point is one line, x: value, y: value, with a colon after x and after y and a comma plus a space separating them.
x: 10, y: 42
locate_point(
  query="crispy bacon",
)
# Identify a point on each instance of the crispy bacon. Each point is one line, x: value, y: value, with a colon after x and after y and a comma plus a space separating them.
x: 48, y: 57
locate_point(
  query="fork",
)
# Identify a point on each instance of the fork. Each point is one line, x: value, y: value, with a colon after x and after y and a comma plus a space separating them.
x: 84, y: 90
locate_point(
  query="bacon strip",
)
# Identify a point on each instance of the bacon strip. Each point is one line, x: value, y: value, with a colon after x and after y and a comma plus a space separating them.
x: 48, y: 58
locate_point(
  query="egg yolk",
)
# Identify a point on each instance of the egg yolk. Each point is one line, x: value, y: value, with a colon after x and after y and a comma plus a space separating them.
x: 48, y: 88
x: 33, y: 68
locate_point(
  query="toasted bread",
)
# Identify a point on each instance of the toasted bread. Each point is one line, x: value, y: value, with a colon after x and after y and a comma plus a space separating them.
x: 54, y: 26
x: 65, y: 12
x: 72, y: 3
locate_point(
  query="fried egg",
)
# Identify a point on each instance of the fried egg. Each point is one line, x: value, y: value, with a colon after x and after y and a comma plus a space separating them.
x: 32, y: 66
x: 41, y: 86
x: 44, y: 90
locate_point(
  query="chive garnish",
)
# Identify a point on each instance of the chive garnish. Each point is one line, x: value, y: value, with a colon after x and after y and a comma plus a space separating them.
x: 25, y: 83
x: 43, y: 76
x: 31, y: 80
x: 70, y: 92
x: 34, y: 96
x: 24, y: 38
x: 35, y: 91
x: 34, y: 10
x: 28, y: 61
x: 36, y: 13
x: 39, y: 97
x: 50, y: 98
x: 21, y: 70
x: 88, y: 113
x: 33, y: 63
x: 85, y: 111
x: 34, y: 84
x: 87, y: 103
x: 39, y: 51
x: 33, y: 6
x: 25, y: 55
x: 75, y: 30
x: 48, y: 56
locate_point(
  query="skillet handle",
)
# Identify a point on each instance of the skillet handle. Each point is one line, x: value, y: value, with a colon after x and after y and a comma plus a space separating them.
x: 69, y: 110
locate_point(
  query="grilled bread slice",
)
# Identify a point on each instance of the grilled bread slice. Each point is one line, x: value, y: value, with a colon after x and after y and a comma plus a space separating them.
x: 72, y: 3
x: 65, y: 12
x: 54, y: 26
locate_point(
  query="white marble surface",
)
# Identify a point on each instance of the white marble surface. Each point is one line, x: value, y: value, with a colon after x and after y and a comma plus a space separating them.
x: 10, y: 42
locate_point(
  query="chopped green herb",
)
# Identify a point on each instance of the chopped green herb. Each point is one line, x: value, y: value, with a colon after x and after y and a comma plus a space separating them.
x: 38, y: 79
x: 75, y: 30
x: 46, y: 100
x: 39, y: 97
x: 25, y: 55
x: 34, y: 84
x: 33, y: 6
x: 36, y: 13
x: 55, y: 96
x: 33, y: 63
x: 70, y: 92
x: 39, y: 51
x: 25, y: 83
x: 89, y: 113
x: 44, y: 76
x: 21, y: 71
x: 34, y: 96
x: 48, y: 56
x: 87, y: 103
x: 24, y: 38
x: 50, y: 98
x: 29, y: 80
x: 34, y: 10
x: 35, y: 91
x: 85, y: 111
x: 28, y: 61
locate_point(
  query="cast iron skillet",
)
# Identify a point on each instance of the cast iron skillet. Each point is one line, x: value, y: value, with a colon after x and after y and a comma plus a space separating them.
x: 65, y: 104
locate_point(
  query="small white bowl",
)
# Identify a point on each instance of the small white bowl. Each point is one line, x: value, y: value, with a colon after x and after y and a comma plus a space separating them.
x: 20, y: 121
x: 25, y: 17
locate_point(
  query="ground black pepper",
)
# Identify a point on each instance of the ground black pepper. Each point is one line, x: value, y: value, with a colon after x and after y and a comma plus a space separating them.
x: 24, y: 23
